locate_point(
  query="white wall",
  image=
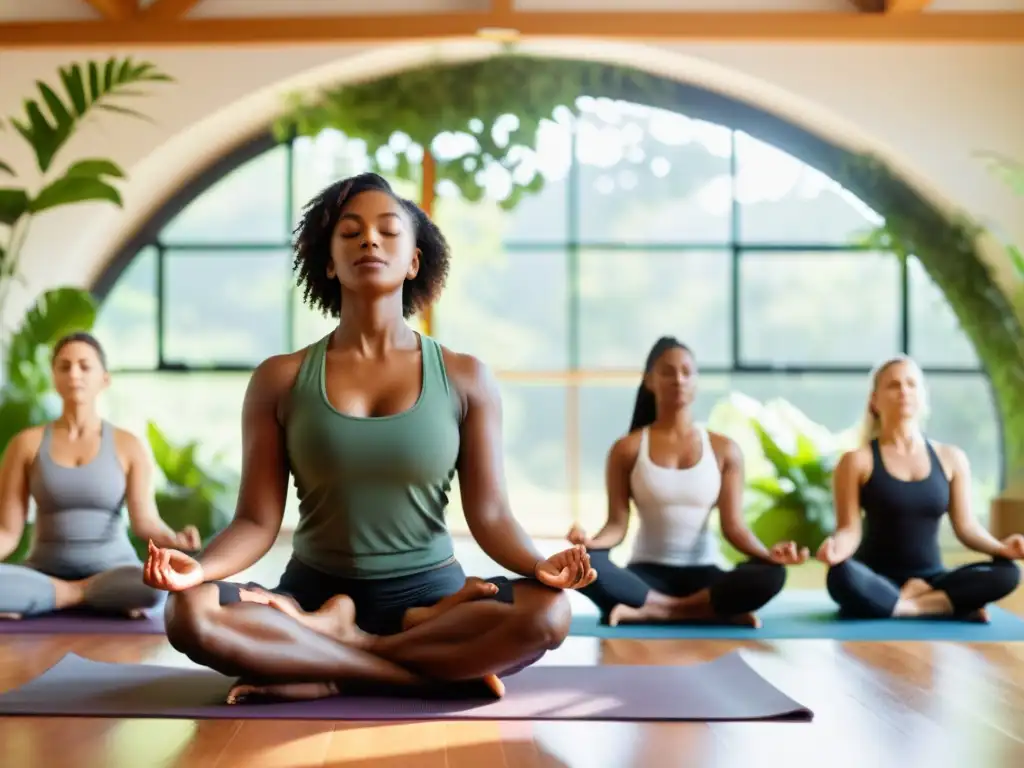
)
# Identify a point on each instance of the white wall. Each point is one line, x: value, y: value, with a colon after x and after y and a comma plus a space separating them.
x: 928, y: 108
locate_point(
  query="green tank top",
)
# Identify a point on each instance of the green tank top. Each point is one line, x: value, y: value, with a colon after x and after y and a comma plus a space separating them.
x: 373, y: 491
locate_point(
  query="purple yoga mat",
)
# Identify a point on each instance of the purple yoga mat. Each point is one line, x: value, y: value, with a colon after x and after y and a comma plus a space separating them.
x: 723, y: 689
x: 75, y: 623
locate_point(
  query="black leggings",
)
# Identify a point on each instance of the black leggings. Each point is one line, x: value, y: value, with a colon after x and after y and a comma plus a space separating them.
x: 746, y: 588
x: 380, y: 603
x: 861, y: 592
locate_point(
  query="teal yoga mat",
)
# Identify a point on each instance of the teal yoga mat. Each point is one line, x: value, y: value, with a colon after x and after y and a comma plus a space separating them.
x: 805, y: 614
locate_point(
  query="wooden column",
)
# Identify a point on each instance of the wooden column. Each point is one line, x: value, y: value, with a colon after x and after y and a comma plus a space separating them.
x: 427, y: 204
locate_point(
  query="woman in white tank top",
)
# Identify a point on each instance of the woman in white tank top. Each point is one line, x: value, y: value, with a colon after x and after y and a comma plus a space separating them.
x: 675, y: 473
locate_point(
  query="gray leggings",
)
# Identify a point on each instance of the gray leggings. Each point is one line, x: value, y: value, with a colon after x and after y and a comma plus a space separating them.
x: 29, y: 592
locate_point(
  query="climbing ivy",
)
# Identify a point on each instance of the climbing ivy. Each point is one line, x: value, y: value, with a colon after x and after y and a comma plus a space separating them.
x: 948, y: 250
x: 469, y: 98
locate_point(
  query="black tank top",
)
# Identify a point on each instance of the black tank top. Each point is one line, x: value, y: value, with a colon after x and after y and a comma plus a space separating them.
x: 901, y: 519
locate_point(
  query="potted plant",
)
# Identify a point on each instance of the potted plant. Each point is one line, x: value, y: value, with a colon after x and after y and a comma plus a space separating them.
x: 789, y: 461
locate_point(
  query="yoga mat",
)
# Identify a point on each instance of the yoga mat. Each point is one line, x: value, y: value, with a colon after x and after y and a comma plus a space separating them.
x: 809, y: 614
x: 724, y: 689
x: 81, y: 623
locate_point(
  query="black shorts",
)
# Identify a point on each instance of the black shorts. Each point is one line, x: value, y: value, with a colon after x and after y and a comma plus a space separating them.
x: 380, y: 603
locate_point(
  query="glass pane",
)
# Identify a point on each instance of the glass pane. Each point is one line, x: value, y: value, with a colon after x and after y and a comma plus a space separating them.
x: 226, y: 308
x: 538, y: 218
x: 819, y: 308
x: 783, y: 200
x: 311, y: 326
x: 630, y: 298
x: 205, y: 407
x: 324, y: 159
x: 536, y: 465
x: 249, y: 205
x: 964, y: 413
x: 936, y: 337
x: 507, y: 308
x: 652, y: 176
x: 127, y: 320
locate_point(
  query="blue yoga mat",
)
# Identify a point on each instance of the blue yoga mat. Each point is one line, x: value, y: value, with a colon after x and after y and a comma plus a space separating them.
x: 806, y: 614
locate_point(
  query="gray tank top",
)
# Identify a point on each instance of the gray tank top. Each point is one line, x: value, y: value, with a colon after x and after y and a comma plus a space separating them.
x: 79, y: 529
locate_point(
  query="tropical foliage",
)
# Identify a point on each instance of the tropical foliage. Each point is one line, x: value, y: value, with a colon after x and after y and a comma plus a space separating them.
x: 789, y: 461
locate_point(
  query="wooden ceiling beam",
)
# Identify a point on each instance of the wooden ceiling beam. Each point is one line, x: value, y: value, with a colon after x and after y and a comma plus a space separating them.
x: 897, y: 28
x: 891, y: 6
x: 168, y: 9
x: 115, y: 10
x: 906, y: 6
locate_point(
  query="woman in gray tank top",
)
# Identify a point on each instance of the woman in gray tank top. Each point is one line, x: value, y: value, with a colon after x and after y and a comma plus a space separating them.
x: 80, y: 471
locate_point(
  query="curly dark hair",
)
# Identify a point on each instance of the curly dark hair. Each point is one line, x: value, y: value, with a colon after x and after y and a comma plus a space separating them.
x: 312, y: 247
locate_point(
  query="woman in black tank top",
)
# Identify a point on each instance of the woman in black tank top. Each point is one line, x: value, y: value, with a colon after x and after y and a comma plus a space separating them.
x: 887, y: 563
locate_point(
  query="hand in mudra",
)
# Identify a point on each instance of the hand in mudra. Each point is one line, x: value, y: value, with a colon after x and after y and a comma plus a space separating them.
x: 788, y: 553
x: 827, y: 552
x: 188, y: 539
x: 171, y: 570
x: 1013, y: 547
x: 569, y: 569
x: 577, y: 535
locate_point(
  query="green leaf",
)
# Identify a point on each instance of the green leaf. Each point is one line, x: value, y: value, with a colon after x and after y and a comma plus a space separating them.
x: 769, y: 486
x: 56, y: 313
x: 15, y: 416
x: 48, y: 131
x: 14, y: 203
x: 781, y: 461
x: 1017, y: 258
x: 95, y: 168
x: 74, y: 189
x: 164, y: 454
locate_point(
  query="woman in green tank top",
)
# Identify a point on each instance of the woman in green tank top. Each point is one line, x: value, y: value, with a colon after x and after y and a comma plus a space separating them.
x: 373, y: 421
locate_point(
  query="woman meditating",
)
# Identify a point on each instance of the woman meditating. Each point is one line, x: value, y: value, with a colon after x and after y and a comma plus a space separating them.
x: 373, y: 421
x: 80, y: 471
x: 676, y: 472
x: 888, y: 564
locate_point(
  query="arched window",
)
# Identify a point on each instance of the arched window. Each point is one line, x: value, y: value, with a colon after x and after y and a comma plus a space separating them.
x: 650, y: 223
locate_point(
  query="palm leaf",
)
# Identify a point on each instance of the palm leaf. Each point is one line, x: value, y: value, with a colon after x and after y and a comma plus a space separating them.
x: 14, y: 203
x: 56, y: 313
x: 1017, y: 257
x: 93, y: 88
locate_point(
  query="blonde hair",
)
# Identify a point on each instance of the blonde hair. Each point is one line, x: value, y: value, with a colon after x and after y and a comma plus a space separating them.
x: 872, y: 424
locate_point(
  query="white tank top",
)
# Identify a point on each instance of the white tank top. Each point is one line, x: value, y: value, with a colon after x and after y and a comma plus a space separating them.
x: 674, y: 507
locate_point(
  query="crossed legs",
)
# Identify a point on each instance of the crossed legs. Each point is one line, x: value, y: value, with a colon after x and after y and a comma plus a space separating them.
x: 647, y: 592
x: 963, y: 592
x: 25, y: 591
x: 277, y: 648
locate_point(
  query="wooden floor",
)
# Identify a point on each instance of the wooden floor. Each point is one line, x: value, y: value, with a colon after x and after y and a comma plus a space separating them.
x: 931, y: 705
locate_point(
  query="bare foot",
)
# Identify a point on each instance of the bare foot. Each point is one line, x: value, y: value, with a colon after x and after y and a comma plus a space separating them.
x: 242, y: 692
x: 10, y: 616
x: 495, y: 684
x: 914, y: 588
x: 745, y: 620
x: 980, y: 616
x: 136, y: 613
x: 474, y: 589
x: 337, y: 619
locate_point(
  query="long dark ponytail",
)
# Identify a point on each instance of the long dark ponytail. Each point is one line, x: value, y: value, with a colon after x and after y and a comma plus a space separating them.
x: 645, y: 408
